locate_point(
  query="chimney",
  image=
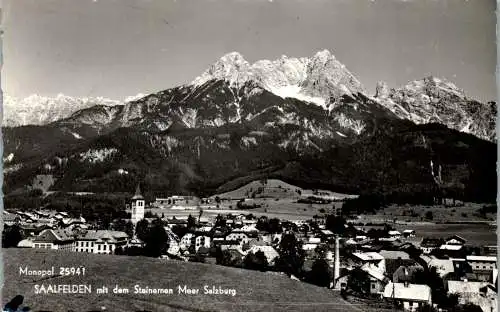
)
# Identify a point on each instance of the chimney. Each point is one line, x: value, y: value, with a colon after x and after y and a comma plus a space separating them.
x: 336, y: 266
x: 406, y: 283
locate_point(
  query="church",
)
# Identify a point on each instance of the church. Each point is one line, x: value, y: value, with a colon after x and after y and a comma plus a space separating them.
x: 137, y: 207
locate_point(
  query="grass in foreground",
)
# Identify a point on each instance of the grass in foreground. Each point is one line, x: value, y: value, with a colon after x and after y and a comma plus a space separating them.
x: 256, y: 291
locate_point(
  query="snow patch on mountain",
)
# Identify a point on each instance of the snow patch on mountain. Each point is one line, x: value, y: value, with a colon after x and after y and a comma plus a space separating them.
x: 294, y: 91
x: 136, y: 97
x: 76, y: 135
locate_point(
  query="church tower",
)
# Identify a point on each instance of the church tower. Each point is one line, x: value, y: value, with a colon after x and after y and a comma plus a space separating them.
x: 138, y: 205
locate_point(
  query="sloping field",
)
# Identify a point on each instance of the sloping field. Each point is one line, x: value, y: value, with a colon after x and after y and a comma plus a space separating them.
x: 255, y: 291
x: 274, y: 188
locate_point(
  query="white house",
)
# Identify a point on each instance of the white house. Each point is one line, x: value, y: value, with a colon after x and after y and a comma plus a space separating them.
x: 100, y: 241
x: 482, y: 262
x: 409, y: 233
x: 236, y: 236
x: 202, y: 241
x: 410, y: 296
x: 395, y: 234
x: 54, y: 239
x: 187, y: 240
x: 479, y: 293
x: 270, y: 253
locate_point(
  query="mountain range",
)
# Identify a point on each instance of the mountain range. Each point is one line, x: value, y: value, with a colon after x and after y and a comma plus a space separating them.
x: 304, y: 120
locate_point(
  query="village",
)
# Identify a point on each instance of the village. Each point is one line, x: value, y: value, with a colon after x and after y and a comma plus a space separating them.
x: 384, y: 268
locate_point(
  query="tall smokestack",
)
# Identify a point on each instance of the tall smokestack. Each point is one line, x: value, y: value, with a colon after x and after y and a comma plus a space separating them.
x: 336, y: 266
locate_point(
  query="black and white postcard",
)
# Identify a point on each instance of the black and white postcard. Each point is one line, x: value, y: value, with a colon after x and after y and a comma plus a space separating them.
x: 249, y: 155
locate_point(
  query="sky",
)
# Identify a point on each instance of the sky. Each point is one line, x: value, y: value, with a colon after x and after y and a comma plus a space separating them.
x: 119, y: 48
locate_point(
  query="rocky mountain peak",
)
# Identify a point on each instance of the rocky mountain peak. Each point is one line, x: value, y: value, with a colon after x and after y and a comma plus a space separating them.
x: 315, y: 80
x: 231, y: 67
x: 382, y: 90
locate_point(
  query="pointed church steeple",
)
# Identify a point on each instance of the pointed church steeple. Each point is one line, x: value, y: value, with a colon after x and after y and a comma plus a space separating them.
x: 138, y: 194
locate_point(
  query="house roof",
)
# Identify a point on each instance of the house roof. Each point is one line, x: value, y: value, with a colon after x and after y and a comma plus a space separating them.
x: 431, y: 242
x: 443, y: 266
x: 394, y: 233
x: 374, y: 272
x: 25, y: 243
x: 456, y: 237
x: 392, y: 265
x: 53, y: 236
x: 413, y: 292
x: 256, y: 242
x: 309, y: 246
x: 137, y: 193
x: 368, y: 256
x: 461, y: 287
x: 326, y: 232
x: 104, y: 236
x: 481, y: 258
x: 269, y: 251
x: 451, y: 247
x: 394, y: 254
x: 314, y: 240
x: 7, y: 216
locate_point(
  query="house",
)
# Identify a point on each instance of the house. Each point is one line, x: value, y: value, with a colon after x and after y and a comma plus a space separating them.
x: 394, y: 254
x: 360, y: 238
x: 326, y: 234
x: 372, y: 258
x: 453, y: 251
x: 482, y: 263
x: 100, y: 241
x: 409, y: 233
x: 406, y: 273
x: 373, y: 280
x: 54, y: 239
x: 394, y: 234
x: 309, y: 247
x: 10, y: 219
x: 25, y: 243
x: 269, y: 251
x: 314, y: 240
x: 409, y: 296
x: 429, y: 244
x: 237, y: 236
x: 377, y: 279
x: 187, y: 240
x: 249, y: 229
x: 443, y: 266
x: 455, y: 240
x: 479, y: 293
x: 202, y: 241
x: 399, y: 270
x: 491, y: 250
